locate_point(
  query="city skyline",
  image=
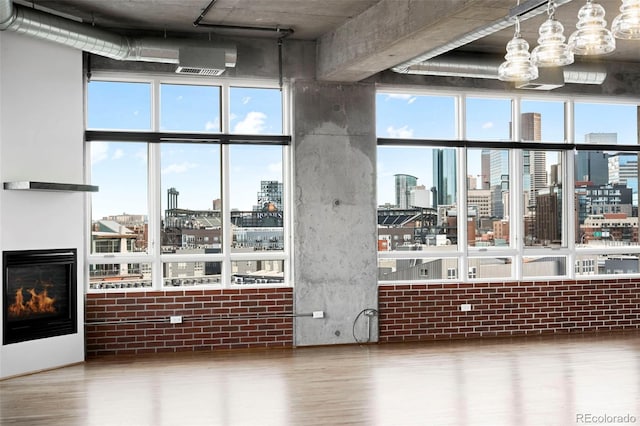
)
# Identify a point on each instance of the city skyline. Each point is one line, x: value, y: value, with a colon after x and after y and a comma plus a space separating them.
x: 399, y: 115
x: 407, y: 116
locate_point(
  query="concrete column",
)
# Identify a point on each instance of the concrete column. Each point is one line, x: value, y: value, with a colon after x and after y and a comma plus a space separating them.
x: 335, y: 212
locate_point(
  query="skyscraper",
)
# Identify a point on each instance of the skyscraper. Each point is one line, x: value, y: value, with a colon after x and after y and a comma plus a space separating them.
x: 535, y: 175
x: 623, y: 169
x: 531, y: 126
x: 499, y: 181
x: 444, y: 175
x: 608, y: 138
x: 485, y: 167
x: 593, y: 165
x: 404, y: 185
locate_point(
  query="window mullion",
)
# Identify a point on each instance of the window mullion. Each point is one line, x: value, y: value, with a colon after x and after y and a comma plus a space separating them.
x: 225, y: 168
x: 569, y: 183
x: 516, y: 192
x: 463, y: 246
x: 154, y: 193
x: 463, y: 243
x: 154, y: 220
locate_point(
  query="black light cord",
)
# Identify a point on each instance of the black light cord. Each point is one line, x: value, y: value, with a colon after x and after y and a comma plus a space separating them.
x: 370, y: 312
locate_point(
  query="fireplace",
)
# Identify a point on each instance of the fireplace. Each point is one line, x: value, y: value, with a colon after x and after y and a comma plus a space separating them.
x: 39, y: 294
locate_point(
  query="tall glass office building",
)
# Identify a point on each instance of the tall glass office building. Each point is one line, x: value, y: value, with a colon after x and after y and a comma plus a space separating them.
x: 444, y: 176
x: 404, y: 185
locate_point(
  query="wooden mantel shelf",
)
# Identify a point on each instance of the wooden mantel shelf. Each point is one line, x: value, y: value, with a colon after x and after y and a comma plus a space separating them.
x: 27, y: 185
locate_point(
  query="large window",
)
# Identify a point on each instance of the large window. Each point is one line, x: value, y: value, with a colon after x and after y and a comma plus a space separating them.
x: 183, y: 201
x: 606, y: 189
x: 417, y: 188
x: 504, y: 191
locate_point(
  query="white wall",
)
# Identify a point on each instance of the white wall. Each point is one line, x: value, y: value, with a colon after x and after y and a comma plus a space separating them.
x: 41, y: 126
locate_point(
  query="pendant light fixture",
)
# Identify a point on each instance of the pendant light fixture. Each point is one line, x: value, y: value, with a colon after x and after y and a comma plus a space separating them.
x: 627, y: 24
x: 518, y: 66
x: 592, y: 36
x: 551, y: 51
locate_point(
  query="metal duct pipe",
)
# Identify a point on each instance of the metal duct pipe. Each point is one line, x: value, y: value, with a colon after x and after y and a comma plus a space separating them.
x: 479, y: 67
x: 44, y: 26
x: 81, y: 36
x: 525, y: 11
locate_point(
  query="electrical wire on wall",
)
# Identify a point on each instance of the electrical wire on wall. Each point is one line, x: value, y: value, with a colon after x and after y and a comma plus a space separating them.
x: 367, y: 313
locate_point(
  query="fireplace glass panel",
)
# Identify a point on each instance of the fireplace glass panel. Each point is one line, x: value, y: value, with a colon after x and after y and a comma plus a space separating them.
x: 39, y: 294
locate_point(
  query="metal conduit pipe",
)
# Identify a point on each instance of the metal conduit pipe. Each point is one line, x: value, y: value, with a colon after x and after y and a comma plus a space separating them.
x: 525, y: 11
x: 460, y: 65
x: 81, y: 36
x: 44, y: 26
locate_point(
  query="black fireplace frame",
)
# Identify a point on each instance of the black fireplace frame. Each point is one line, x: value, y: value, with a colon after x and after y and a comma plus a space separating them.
x: 16, y: 331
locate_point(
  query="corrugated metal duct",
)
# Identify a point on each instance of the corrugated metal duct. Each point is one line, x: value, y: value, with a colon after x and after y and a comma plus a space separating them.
x: 44, y: 26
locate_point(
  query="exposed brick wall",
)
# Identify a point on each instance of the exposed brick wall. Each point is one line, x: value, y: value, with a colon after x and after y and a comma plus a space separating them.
x: 138, y: 322
x: 432, y: 311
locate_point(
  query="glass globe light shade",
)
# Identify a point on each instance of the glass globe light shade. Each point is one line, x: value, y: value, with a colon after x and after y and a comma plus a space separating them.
x: 518, y: 66
x: 592, y: 36
x: 627, y: 24
x: 551, y: 51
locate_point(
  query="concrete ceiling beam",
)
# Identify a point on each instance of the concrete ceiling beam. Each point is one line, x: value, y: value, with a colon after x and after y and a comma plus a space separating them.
x: 395, y: 31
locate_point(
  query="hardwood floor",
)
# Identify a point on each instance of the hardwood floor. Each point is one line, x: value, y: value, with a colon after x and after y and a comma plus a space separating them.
x: 524, y: 381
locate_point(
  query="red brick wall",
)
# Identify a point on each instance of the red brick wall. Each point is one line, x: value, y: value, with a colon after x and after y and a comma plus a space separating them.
x: 432, y: 311
x: 138, y: 322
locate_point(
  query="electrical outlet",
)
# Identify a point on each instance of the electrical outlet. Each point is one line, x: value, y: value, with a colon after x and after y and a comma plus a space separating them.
x: 318, y: 314
x: 465, y: 307
x: 175, y: 319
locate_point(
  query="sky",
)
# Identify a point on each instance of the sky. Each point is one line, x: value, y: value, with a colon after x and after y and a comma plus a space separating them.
x: 120, y: 169
x: 434, y: 117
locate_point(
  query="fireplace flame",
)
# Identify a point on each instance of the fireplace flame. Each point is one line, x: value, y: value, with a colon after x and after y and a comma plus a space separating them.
x: 38, y: 303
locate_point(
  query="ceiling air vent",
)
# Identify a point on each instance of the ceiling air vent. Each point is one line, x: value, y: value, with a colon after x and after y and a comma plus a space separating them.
x: 199, y: 71
x: 203, y: 60
x: 548, y: 79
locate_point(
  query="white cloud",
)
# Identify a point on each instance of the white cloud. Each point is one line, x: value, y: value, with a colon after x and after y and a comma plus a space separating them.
x: 246, y: 100
x: 141, y: 155
x: 212, y: 125
x: 398, y: 96
x: 403, y: 132
x: 99, y: 151
x: 487, y: 125
x: 409, y: 98
x: 178, y: 168
x: 136, y: 113
x: 118, y: 154
x: 275, y: 167
x: 179, y: 98
x: 253, y: 123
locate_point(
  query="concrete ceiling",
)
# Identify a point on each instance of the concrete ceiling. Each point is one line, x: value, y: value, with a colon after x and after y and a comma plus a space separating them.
x: 356, y: 38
